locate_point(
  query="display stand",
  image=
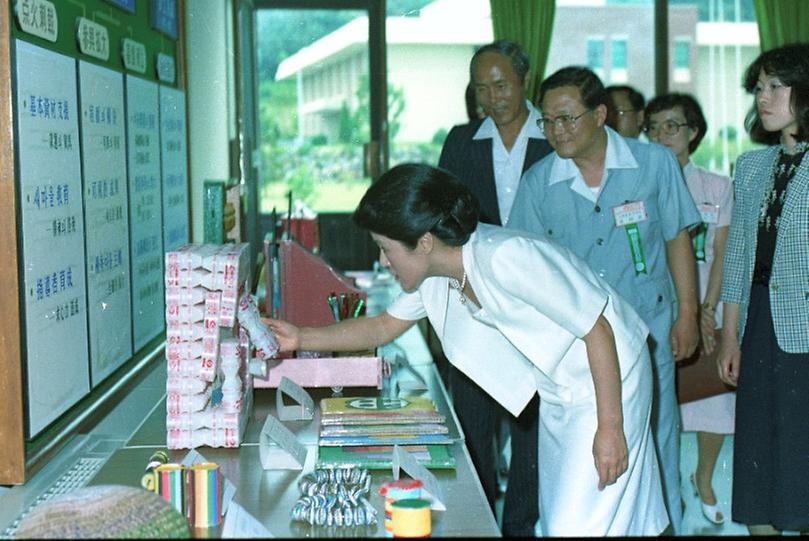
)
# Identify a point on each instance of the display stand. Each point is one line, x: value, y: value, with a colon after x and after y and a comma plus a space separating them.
x: 298, y: 286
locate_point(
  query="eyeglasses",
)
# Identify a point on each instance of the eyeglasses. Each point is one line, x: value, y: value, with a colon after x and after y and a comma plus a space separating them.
x: 566, y: 122
x: 669, y: 127
x: 623, y: 112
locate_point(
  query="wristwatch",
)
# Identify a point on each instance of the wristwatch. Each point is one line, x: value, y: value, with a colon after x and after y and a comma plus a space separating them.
x: 708, y: 306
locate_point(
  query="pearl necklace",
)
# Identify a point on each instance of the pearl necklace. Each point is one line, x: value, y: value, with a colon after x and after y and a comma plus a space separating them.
x: 460, y: 287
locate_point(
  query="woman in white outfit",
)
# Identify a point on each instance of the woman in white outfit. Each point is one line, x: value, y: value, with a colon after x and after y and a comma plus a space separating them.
x: 554, y: 326
x: 676, y: 121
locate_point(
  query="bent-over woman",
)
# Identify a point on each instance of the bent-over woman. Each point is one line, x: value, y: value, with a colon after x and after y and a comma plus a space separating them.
x: 518, y: 315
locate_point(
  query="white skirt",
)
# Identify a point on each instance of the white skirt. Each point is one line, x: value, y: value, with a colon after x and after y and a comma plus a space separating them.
x: 570, y: 503
x: 714, y: 414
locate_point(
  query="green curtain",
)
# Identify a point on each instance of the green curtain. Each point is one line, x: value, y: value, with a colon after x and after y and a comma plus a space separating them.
x: 529, y: 23
x: 780, y: 22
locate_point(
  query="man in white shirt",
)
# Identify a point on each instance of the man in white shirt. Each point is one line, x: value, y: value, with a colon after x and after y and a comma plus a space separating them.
x: 489, y: 156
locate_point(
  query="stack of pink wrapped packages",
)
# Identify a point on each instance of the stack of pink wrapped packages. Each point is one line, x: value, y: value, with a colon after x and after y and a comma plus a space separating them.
x: 212, y: 324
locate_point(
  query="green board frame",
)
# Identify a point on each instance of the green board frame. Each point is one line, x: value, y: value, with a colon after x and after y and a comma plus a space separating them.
x: 119, y: 23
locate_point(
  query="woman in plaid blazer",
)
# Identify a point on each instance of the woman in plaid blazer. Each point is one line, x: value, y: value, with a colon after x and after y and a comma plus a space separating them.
x: 765, y: 343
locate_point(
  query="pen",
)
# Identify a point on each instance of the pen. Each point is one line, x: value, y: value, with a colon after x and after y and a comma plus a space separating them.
x: 335, y: 310
x: 358, y: 308
x: 343, y: 306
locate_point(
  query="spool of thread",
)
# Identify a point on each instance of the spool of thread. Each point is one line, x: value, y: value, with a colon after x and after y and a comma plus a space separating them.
x: 204, y: 495
x: 412, y: 518
x: 393, y: 491
x: 148, y: 480
x: 171, y: 484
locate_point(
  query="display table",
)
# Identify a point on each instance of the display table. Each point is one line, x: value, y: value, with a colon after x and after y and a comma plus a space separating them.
x: 269, y: 495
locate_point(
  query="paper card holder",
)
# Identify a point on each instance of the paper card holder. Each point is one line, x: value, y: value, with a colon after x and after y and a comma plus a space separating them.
x: 278, y: 447
x: 304, y: 407
x: 431, y: 490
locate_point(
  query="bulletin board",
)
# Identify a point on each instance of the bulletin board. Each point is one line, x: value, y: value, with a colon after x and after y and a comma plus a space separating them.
x: 100, y: 138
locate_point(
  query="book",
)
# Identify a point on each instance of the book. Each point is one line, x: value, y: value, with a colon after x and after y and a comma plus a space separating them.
x: 377, y: 406
x: 382, y: 430
x: 391, y: 439
x: 379, y: 457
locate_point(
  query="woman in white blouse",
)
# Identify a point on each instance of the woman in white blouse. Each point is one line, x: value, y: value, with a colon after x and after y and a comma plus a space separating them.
x: 553, y: 325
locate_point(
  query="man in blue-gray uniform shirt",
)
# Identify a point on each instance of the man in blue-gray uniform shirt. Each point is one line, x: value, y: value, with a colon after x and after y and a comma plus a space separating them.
x: 624, y: 207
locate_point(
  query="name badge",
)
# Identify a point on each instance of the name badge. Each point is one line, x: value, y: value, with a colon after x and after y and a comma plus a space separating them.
x: 709, y: 213
x: 629, y: 213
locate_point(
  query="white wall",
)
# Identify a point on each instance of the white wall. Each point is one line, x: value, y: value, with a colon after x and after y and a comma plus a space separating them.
x: 434, y: 79
x: 209, y: 98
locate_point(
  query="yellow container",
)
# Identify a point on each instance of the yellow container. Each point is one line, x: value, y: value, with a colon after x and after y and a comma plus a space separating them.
x: 411, y: 518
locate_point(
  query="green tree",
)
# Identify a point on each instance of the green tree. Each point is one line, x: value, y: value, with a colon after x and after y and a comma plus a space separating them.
x: 360, y: 116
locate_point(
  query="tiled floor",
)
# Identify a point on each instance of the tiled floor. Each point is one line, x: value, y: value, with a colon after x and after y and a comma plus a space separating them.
x: 694, y: 523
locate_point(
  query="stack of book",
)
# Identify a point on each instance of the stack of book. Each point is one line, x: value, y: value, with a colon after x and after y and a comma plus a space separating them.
x: 362, y: 431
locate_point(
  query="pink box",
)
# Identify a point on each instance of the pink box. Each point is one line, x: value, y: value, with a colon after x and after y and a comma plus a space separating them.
x: 326, y: 372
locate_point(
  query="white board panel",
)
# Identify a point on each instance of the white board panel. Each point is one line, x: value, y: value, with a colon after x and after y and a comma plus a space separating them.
x: 176, y: 231
x: 145, y: 213
x: 54, y: 293
x: 103, y: 142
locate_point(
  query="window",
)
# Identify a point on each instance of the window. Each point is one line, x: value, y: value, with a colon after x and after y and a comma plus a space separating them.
x: 682, y: 60
x: 595, y: 55
x: 711, y: 44
x: 618, y: 73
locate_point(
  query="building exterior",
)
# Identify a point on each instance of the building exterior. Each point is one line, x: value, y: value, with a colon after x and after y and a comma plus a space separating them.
x: 428, y: 59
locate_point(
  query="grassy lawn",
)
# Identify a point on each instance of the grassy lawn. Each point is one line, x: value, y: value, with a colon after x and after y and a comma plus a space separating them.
x: 328, y: 197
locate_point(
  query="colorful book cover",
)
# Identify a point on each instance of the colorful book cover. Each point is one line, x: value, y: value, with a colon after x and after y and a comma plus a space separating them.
x: 382, y: 430
x: 380, y: 419
x: 402, y: 439
x: 389, y: 406
x: 380, y: 457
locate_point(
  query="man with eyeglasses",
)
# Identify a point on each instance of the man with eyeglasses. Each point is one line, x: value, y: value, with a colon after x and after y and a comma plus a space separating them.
x: 490, y: 156
x: 623, y: 207
x: 625, y: 110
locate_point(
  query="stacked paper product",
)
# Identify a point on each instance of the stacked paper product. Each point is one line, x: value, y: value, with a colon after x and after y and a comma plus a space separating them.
x: 209, y: 386
x: 362, y: 431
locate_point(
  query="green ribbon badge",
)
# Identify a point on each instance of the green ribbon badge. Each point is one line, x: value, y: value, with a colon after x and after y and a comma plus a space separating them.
x: 636, y: 247
x: 699, y: 241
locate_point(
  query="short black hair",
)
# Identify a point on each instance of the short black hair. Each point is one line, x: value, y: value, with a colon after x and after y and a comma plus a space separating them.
x: 509, y: 49
x: 790, y: 64
x: 691, y: 110
x: 412, y: 199
x: 635, y: 98
x: 590, y: 86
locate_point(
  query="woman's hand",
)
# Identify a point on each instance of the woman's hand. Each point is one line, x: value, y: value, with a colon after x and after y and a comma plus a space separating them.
x: 729, y: 359
x: 707, y: 326
x: 288, y: 335
x: 610, y: 455
x: 684, y: 336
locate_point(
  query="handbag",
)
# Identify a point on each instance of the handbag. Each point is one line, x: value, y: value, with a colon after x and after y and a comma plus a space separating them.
x: 698, y: 378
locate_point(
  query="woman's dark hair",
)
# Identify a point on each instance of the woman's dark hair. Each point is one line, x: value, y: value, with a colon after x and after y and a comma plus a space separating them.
x: 412, y: 199
x: 691, y: 109
x: 509, y: 49
x: 590, y: 86
x: 790, y: 64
